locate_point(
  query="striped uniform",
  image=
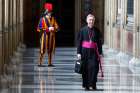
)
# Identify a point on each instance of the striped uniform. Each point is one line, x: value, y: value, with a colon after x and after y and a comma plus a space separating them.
x: 47, y: 38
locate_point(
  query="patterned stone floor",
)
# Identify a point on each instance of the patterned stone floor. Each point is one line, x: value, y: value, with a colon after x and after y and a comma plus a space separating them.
x: 62, y: 78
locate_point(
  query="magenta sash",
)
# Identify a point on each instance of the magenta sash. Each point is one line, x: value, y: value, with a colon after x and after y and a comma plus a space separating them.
x: 87, y: 44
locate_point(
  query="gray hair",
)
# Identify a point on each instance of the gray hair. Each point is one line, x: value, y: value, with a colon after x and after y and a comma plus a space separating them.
x: 90, y: 15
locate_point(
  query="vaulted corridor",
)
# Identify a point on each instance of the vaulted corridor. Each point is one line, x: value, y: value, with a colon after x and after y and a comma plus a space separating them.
x: 118, y: 22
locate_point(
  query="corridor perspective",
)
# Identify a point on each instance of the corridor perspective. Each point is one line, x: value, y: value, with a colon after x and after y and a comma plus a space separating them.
x: 118, y: 22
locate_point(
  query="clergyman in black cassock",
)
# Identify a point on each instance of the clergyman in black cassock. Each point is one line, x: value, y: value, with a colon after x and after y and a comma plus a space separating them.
x: 87, y: 47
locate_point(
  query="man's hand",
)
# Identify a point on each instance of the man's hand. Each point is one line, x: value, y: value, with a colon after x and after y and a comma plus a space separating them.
x: 79, y: 56
x: 51, y: 28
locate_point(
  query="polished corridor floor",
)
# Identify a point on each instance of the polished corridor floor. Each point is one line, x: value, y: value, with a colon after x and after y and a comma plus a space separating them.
x: 62, y: 78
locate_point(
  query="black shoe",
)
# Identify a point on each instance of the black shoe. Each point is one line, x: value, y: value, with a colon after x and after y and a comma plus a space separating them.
x: 94, y: 87
x: 51, y: 65
x: 83, y: 86
x: 87, y: 88
x: 40, y: 65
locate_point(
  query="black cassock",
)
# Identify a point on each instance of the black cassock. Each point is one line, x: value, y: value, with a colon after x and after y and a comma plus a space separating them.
x: 89, y: 57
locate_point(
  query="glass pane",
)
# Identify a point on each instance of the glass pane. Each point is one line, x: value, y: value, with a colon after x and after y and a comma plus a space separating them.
x: 130, y: 17
x: 130, y: 6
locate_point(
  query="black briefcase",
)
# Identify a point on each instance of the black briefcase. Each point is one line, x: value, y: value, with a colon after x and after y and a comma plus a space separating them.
x: 78, y: 66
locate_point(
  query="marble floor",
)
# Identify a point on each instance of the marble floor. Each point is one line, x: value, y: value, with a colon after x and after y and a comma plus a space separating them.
x: 62, y: 78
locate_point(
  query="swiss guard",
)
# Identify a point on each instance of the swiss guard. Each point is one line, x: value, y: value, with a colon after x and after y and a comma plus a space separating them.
x: 47, y: 27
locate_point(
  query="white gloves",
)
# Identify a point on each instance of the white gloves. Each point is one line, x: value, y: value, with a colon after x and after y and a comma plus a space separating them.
x: 79, y: 56
x: 51, y: 28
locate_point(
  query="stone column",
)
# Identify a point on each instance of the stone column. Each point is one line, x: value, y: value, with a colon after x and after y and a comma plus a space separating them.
x: 116, y: 25
x: 21, y: 20
x: 109, y: 32
x: 106, y: 23
x: 109, y: 23
x: 3, y: 81
x: 114, y: 15
x: 18, y: 22
x: 14, y: 25
x: 6, y: 31
x: 11, y: 27
x: 78, y: 6
x: 112, y: 24
x: 109, y: 20
x: 1, y: 58
x: 138, y: 29
x: 123, y: 22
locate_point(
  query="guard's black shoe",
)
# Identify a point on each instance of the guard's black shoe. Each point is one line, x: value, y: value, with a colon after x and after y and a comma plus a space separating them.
x: 51, y: 65
x: 40, y: 65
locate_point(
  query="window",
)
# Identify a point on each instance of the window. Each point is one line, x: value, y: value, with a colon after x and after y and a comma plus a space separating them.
x: 130, y: 6
x: 130, y: 12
